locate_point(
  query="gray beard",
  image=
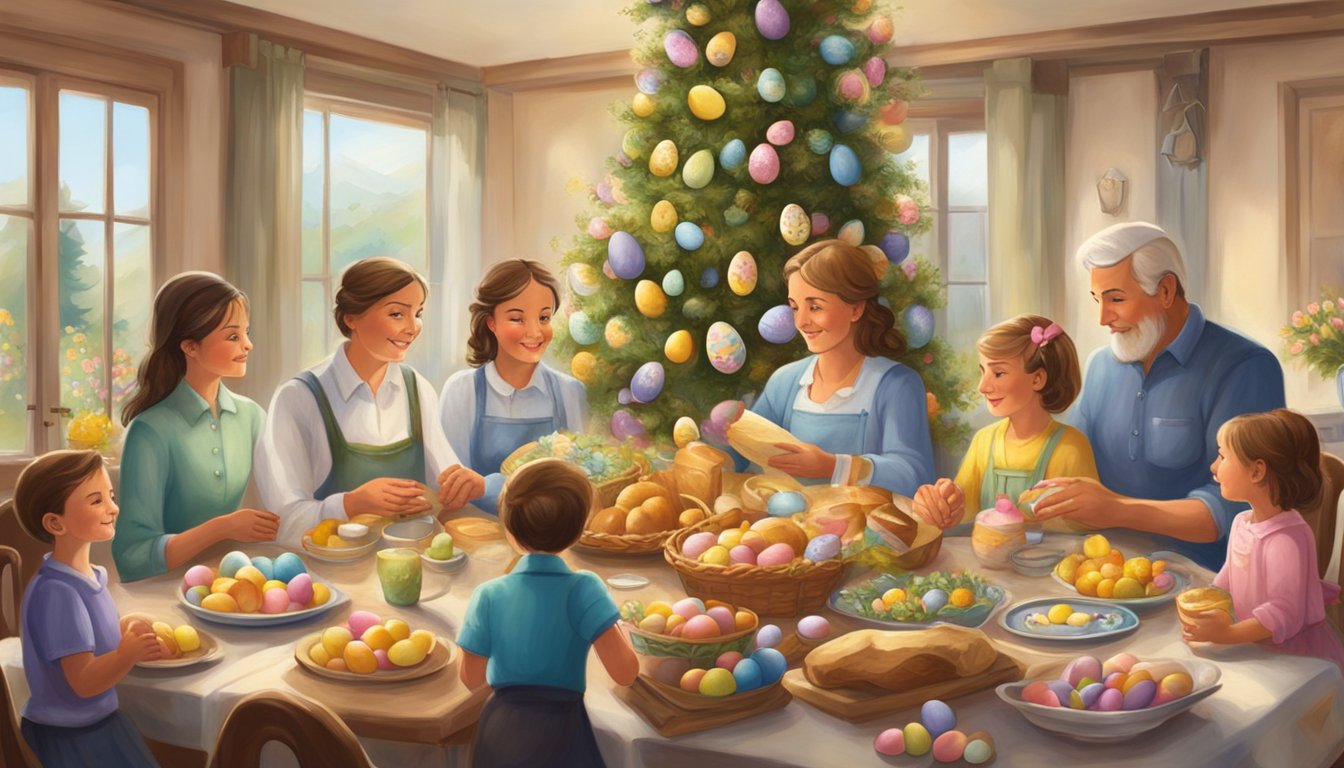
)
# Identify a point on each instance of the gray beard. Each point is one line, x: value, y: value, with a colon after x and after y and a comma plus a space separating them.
x: 1136, y: 344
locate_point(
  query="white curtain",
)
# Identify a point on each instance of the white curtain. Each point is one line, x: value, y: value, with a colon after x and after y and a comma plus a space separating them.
x: 262, y: 217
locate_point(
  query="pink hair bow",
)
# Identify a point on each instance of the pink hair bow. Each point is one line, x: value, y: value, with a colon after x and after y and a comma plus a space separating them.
x: 1040, y: 336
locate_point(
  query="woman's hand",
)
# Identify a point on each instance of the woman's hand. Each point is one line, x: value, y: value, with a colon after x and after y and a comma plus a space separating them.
x: 1080, y: 499
x: 1212, y: 626
x: 459, y: 485
x: 387, y: 497
x: 941, y: 504
x: 251, y: 525
x: 804, y: 460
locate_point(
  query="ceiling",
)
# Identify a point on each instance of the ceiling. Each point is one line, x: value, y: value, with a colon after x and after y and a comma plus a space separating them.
x: 497, y: 32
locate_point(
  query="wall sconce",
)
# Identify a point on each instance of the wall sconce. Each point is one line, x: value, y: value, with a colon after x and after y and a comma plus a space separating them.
x: 1111, y: 191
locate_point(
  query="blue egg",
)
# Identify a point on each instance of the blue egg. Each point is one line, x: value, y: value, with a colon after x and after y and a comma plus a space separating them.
x: 918, y: 321
x: 196, y: 594
x: 785, y: 503
x: 845, y: 166
x: 625, y: 255
x: 934, y: 600
x: 768, y: 636
x: 937, y: 717
x: 230, y: 563
x: 848, y: 121
x: 582, y: 329
x: 772, y: 663
x: 824, y: 547
x: 747, y: 673
x: 733, y: 154
x: 776, y: 325
x: 1061, y: 689
x: 648, y: 81
x: 674, y: 283
x: 265, y: 565
x: 287, y: 566
x: 836, y: 50
x: 770, y: 85
x: 896, y: 246
x: 819, y: 141
x: 647, y: 383
x: 709, y: 278
x: 689, y: 235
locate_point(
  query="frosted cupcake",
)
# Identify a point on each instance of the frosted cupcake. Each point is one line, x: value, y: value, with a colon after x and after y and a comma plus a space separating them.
x: 997, y: 532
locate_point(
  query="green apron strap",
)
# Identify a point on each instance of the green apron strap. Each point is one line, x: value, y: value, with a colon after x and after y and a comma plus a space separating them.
x: 1038, y: 473
x: 413, y: 403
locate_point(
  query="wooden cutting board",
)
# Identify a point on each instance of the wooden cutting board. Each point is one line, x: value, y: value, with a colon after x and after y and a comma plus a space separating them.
x: 670, y: 719
x: 856, y: 706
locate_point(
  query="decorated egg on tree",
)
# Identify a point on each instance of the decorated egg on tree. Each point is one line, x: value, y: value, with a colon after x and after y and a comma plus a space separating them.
x: 918, y: 321
x: 770, y: 85
x: 895, y: 246
x: 625, y: 424
x: 699, y: 169
x: 820, y: 223
x: 780, y: 132
x: 836, y: 50
x: 881, y: 30
x: 650, y: 299
x: 852, y: 87
x: 663, y: 217
x: 642, y: 105
x: 709, y: 278
x: 683, y: 432
x: 733, y: 154
x: 582, y: 365
x: 679, y: 346
x: 895, y: 112
x: 649, y: 80
x: 772, y: 21
x: 819, y: 141
x: 845, y: 166
x: 895, y: 139
x: 617, y: 332
x: 725, y: 348
x: 705, y: 102
x: 848, y: 120
x: 742, y: 273
x: 794, y: 225
x: 647, y: 383
x: 664, y: 158
x: 776, y: 325
x: 598, y: 228
x: 625, y: 255
x: 680, y: 49
x: 633, y: 143
x: 875, y: 70
x: 689, y: 235
x: 720, y: 49
x: 674, y: 283
x: 763, y: 164
x: 698, y: 15
x: 852, y: 232
x: 582, y: 329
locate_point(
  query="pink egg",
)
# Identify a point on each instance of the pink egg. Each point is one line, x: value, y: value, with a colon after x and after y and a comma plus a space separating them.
x: 728, y: 660
x: 742, y: 554
x: 360, y: 621
x: 677, y: 630
x: 691, y: 606
x: 776, y: 554
x: 301, y: 589
x: 292, y: 607
x: 890, y: 742
x: 763, y: 164
x: 1110, y: 700
x: 276, y: 600
x: 814, y: 627
x: 875, y: 69
x: 700, y: 627
x: 724, y: 618
x: 949, y: 747
x: 696, y: 544
x: 820, y: 223
x: 1083, y: 666
x: 1120, y: 662
x: 198, y: 576
x: 1164, y: 581
x: 383, y: 661
x: 1039, y: 693
x: 1116, y: 680
x: 780, y: 132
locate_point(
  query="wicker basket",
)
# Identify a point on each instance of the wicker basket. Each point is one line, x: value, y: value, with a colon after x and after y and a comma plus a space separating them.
x: 770, y: 590
x: 645, y: 543
x: 604, y: 493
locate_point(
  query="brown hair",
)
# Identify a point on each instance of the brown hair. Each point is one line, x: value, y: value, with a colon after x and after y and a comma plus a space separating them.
x: 505, y: 281
x: 46, y: 484
x: 369, y: 280
x: 1286, y: 441
x: 837, y: 267
x: 1058, y: 357
x: 188, y: 307
x: 545, y: 504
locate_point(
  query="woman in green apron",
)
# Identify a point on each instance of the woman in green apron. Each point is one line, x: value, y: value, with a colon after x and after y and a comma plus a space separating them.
x: 359, y: 433
x: 1028, y: 372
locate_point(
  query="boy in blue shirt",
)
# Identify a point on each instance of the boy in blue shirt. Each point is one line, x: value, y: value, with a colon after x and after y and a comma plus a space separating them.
x: 527, y: 633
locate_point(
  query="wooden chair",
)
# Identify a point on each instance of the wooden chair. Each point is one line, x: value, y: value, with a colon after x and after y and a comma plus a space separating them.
x: 12, y: 562
x: 318, y: 738
x: 1323, y: 519
x: 31, y: 550
x: 14, y: 751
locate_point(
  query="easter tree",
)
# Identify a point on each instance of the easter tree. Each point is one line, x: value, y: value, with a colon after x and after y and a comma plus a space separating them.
x: 755, y: 129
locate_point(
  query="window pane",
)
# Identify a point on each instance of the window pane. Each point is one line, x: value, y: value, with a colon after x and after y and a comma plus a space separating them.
x: 316, y: 320
x: 967, y: 174
x: 80, y: 287
x: 133, y: 299
x: 82, y: 152
x: 967, y: 317
x: 919, y: 153
x: 378, y: 177
x: 966, y: 246
x: 14, y: 146
x: 130, y: 159
x: 14, y: 418
x: 313, y: 175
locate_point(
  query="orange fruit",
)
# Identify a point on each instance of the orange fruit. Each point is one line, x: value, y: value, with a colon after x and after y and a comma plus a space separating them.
x: 1089, y: 565
x: 1110, y: 571
x: 1139, y: 569
x: 961, y: 597
x: 1127, y: 588
x: 1087, y: 584
x: 1116, y: 556
x: 1106, y: 588
x: 1159, y: 566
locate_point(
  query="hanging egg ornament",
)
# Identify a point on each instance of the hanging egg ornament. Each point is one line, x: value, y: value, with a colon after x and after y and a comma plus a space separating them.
x: 852, y: 87
x: 642, y: 105
x: 895, y: 246
x: 852, y: 232
x: 603, y: 191
x: 770, y: 85
x: 820, y: 223
x: 742, y: 273
x: 772, y: 21
x: 582, y: 279
x: 663, y: 217
x: 780, y: 132
x: 699, y: 169
x: 582, y: 329
x: 895, y: 112
x: 680, y: 49
x: 679, y: 347
x: 674, y: 283
x: 918, y: 321
x: 698, y: 15
x: 617, y: 333
x: 763, y: 165
x: 733, y: 154
x: 776, y: 325
x: 705, y: 102
x: 895, y: 139
x: 845, y: 167
x: 819, y: 141
x: 625, y: 425
x: 582, y: 365
x: 650, y: 299
x: 836, y: 50
x: 598, y: 228
x: 663, y: 160
x: 881, y: 30
x: 649, y: 80
x: 794, y: 225
x: 720, y: 49
x: 685, y: 431
x: 647, y: 383
x: 725, y: 348
x: 689, y: 235
x: 709, y: 278
x: 624, y: 255
x: 875, y: 70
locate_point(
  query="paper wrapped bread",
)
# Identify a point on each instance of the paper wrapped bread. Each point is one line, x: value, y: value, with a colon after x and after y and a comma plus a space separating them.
x: 899, y: 661
x: 755, y: 437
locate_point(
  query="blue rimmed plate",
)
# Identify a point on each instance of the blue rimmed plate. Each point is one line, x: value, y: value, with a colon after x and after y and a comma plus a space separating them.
x: 854, y: 600
x: 1109, y: 620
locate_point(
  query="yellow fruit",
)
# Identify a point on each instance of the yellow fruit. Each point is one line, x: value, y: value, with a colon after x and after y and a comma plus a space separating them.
x: 188, y: 639
x: 1079, y: 619
x: 1068, y: 567
x: 321, y: 594
x: 406, y: 653
x: 961, y: 597
x: 893, y: 596
x: 1087, y: 584
x: 359, y: 658
x: 319, y: 536
x: 1059, y: 613
x: 318, y: 653
x: 1140, y: 569
x: 1086, y: 566
x: 398, y: 629
x: 1110, y: 571
x: 220, y: 603
x: 1096, y: 546
x: 378, y: 638
x: 1106, y: 588
x: 334, y: 639
x: 424, y: 639
x: 336, y: 542
x: 1127, y: 588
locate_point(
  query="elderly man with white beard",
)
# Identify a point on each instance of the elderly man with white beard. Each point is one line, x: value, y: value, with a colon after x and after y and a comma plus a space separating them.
x: 1153, y: 401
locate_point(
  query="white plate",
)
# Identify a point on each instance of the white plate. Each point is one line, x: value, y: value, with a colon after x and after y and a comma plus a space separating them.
x: 338, y: 554
x: 265, y: 619
x: 209, y: 651
x: 1182, y: 580
x: 453, y: 563
x: 1014, y: 618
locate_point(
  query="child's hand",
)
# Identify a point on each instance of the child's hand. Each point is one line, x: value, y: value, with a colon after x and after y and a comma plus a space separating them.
x: 459, y: 485
x: 1211, y: 626
x: 139, y: 643
x: 940, y: 504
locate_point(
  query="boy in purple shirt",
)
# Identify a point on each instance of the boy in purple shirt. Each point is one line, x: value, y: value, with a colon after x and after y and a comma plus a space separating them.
x: 74, y: 649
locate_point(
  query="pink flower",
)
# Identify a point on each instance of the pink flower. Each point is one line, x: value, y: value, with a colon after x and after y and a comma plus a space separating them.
x: 907, y: 210
x: 909, y: 267
x: 1313, y: 308
x: 88, y: 366
x: 928, y: 358
x: 1315, y: 339
x: 1296, y: 348
x: 1337, y: 323
x: 1299, y: 319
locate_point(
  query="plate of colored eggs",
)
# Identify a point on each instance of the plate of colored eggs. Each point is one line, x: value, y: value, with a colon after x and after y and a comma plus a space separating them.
x: 367, y: 648
x: 256, y: 591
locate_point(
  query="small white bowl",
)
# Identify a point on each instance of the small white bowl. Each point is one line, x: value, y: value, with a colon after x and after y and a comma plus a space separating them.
x: 453, y: 563
x: 417, y: 532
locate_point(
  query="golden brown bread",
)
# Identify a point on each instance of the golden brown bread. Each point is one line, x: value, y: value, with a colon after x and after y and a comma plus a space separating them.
x: 899, y: 661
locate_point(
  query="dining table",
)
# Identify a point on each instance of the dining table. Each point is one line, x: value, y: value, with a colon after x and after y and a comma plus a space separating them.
x: 1272, y: 709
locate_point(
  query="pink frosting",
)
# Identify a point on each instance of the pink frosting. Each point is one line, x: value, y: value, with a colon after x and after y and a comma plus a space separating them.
x: 1003, y: 513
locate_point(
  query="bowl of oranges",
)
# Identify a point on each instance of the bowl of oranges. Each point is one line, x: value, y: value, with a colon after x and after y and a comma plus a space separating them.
x: 1103, y: 572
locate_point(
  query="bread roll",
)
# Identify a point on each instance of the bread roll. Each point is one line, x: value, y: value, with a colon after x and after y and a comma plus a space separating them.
x: 609, y: 520
x: 899, y: 661
x: 636, y: 494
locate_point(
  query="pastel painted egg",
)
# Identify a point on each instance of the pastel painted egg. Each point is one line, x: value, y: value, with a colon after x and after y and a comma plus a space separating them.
x: 197, y: 594
x: 705, y: 102
x: 780, y: 132
x: 582, y: 279
x: 747, y: 673
x: 742, y: 273
x: 1120, y: 662
x: 851, y: 232
x: 770, y: 85
x: 1089, y: 694
x: 937, y: 717
x: 275, y: 600
x: 768, y: 636
x: 896, y: 139
x: 198, y: 576
x: 772, y: 21
x: 1140, y: 695
x: 836, y: 50
x: 649, y: 80
x: 1061, y: 689
x: 890, y: 742
x: 685, y: 431
x: 814, y: 627
x: 794, y: 225
x: 1038, y: 692
x: 776, y: 325
x: 918, y: 321
x: 384, y: 663
x: 819, y: 141
x: 717, y: 681
x: 934, y: 600
x: 1173, y: 687
x: 881, y: 30
x: 852, y: 87
x: 823, y: 547
x: 772, y: 663
x: 582, y: 365
x: 720, y: 49
x: 1164, y: 581
x: 733, y: 154
x: 266, y: 565
x: 763, y: 165
x: 219, y: 602
x: 625, y: 255
x: 979, y: 748
x: 1079, y: 668
x: 728, y: 659
x: 875, y: 69
x: 625, y: 424
x: 895, y: 246
x: 845, y: 166
x: 725, y: 348
x: 709, y: 278
x: 802, y: 90
x: 664, y: 158
x: 647, y: 383
x: 287, y: 566
x: 606, y: 270
x: 679, y: 347
x: 699, y: 169
x: 230, y: 563
x: 820, y: 223
x: 918, y: 740
x: 688, y: 607
x: 650, y: 299
x: 700, y: 627
x: 624, y: 397
x: 663, y: 216
x: 300, y: 589
x: 698, y: 15
x: 696, y: 544
x: 674, y: 283
x: 617, y: 332
x: 633, y: 145
x: 1110, y: 700
x: 779, y: 553
x: 723, y: 616
x: 726, y: 412
x: 785, y: 503
x: 734, y: 216
x: 642, y: 105
x: 582, y: 329
x: 949, y: 747
x: 689, y: 235
x: 895, y: 112
x: 680, y: 49
x: 848, y: 121
x: 690, y: 681
x: 742, y: 554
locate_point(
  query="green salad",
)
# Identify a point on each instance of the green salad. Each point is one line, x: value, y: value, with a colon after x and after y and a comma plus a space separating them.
x: 957, y: 597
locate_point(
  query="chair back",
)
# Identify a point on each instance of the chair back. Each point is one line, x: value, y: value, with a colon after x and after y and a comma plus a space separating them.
x: 317, y: 737
x: 14, y: 749
x: 11, y: 567
x: 31, y: 550
x: 1323, y: 519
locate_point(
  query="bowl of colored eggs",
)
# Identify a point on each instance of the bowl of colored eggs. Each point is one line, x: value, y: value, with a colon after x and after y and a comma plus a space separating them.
x: 1113, y: 700
x: 670, y: 639
x: 256, y: 591
x: 368, y: 648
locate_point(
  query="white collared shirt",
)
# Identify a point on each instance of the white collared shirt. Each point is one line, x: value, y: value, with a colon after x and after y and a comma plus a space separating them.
x: 293, y: 458
x: 502, y: 399
x: 856, y: 398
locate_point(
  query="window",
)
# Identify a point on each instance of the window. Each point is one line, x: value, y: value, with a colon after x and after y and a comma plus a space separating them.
x: 76, y: 257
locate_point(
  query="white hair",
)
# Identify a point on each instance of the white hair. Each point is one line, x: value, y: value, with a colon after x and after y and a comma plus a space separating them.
x: 1149, y: 263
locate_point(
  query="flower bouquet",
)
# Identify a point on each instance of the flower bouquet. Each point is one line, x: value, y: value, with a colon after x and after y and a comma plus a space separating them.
x: 1316, y: 337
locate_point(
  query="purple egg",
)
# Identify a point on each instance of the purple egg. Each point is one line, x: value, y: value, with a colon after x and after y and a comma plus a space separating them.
x: 625, y: 255
x: 725, y: 413
x: 1110, y: 700
x: 768, y: 636
x: 624, y: 397
x: 772, y: 21
x: 1090, y: 694
x: 776, y: 325
x: 875, y: 69
x: 780, y: 132
x: 1061, y: 689
x: 604, y: 193
x: 647, y: 383
x: 648, y: 81
x: 625, y: 424
x: 1140, y: 695
x: 896, y: 246
x: 681, y: 49
x: 937, y: 717
x: 301, y: 589
x: 763, y: 165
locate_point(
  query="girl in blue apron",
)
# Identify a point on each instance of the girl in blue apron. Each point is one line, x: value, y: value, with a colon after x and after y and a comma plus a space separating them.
x: 511, y: 398
x: 359, y: 433
x: 862, y: 416
x: 1028, y: 371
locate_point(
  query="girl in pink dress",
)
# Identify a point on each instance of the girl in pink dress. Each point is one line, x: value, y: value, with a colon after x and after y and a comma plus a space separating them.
x: 1271, y: 460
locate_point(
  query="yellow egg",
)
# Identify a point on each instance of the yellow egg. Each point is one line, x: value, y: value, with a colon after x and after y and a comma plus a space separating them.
x: 895, y: 139
x: 581, y: 365
x: 730, y: 538
x: 220, y: 603
x: 222, y: 584
x: 424, y: 639
x: 720, y: 49
x: 318, y: 653
x: 377, y: 637
x: 334, y: 639
x: 617, y: 332
x: 632, y: 144
x: 698, y: 15
x: 705, y: 102
x: 359, y: 658
x: 715, y: 555
x: 251, y: 573
x: 794, y: 224
x: 650, y: 299
x: 642, y: 105
x: 1060, y: 613
x: 398, y: 629
x: 660, y: 607
x: 685, y: 431
x: 664, y: 158
x: 679, y: 347
x: 187, y: 638
x: 961, y: 597
x: 742, y: 273
x: 271, y: 584
x: 406, y: 653
x: 1079, y: 619
x: 893, y: 596
x: 321, y: 594
x: 663, y: 217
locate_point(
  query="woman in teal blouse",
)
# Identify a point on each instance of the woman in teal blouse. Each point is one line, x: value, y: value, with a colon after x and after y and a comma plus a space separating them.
x: 188, y: 452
